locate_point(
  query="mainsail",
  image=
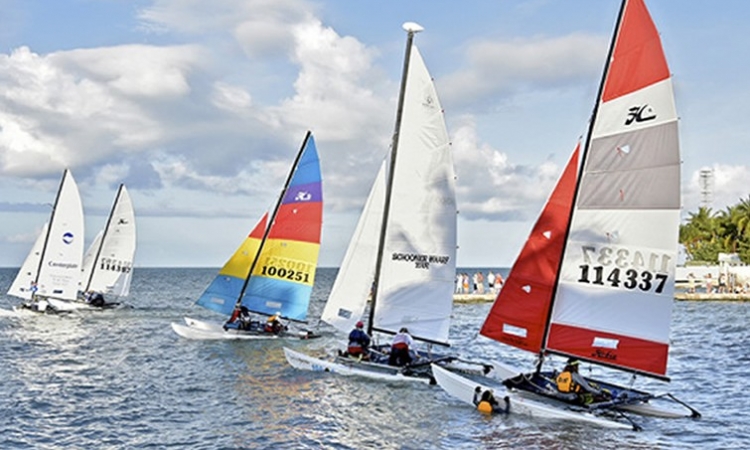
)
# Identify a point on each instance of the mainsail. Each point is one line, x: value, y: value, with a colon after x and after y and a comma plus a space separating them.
x: 405, y: 241
x: 613, y: 290
x: 274, y: 268
x: 108, y: 264
x: 59, y: 271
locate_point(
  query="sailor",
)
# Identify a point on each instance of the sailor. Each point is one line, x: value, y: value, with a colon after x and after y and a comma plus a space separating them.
x: 486, y: 402
x: 571, y: 382
x: 359, y: 341
x: 400, y: 348
x: 273, y: 324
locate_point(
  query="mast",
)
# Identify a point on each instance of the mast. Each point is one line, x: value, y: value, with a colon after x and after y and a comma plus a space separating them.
x: 272, y: 219
x: 586, y: 147
x: 104, y: 236
x: 49, y: 228
x: 411, y: 29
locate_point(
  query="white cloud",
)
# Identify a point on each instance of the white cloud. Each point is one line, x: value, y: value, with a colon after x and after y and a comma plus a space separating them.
x: 502, y: 68
x: 490, y: 186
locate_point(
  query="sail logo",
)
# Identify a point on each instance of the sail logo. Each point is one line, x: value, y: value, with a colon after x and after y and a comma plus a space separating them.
x: 67, y: 237
x: 640, y: 114
x: 122, y: 222
x: 429, y: 102
x: 303, y: 196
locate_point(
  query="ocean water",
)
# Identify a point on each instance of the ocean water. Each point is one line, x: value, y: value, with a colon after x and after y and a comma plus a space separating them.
x: 122, y: 379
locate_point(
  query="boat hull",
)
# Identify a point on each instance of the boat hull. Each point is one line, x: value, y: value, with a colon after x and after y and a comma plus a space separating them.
x: 353, y: 367
x: 463, y: 389
x: 202, y: 330
x: 668, y: 409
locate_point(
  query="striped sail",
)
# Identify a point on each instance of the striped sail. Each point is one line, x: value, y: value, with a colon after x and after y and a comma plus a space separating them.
x: 59, y: 272
x: 415, y: 288
x: 519, y: 315
x: 285, y: 270
x: 222, y: 294
x: 614, y: 298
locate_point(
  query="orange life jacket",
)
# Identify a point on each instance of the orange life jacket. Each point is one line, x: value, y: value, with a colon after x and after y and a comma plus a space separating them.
x: 485, y: 407
x: 566, y: 384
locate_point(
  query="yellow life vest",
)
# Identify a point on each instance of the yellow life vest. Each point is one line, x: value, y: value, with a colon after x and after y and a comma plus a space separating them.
x: 484, y: 407
x: 565, y: 383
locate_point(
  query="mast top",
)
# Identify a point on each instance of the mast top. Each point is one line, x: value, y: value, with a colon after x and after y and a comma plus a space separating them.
x: 412, y: 27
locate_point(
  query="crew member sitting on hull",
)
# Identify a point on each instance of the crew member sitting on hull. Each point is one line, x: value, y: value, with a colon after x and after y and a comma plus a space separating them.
x: 571, y: 382
x: 359, y: 342
x: 486, y: 402
x: 274, y: 325
x: 241, y: 320
x: 94, y: 299
x: 400, y: 348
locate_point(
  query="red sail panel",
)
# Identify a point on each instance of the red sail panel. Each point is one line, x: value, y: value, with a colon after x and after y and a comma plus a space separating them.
x: 612, y: 349
x: 519, y: 314
x: 260, y: 228
x: 298, y: 222
x: 638, y: 59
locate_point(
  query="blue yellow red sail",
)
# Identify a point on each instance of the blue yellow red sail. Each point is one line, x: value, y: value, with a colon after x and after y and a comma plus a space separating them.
x: 285, y: 263
x: 283, y: 277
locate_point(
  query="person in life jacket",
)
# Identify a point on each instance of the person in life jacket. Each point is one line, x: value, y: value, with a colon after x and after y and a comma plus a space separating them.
x: 359, y: 341
x: 273, y: 324
x: 486, y: 402
x: 571, y: 382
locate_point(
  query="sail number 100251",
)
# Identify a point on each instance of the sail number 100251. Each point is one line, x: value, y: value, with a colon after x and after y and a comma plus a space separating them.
x: 623, y: 268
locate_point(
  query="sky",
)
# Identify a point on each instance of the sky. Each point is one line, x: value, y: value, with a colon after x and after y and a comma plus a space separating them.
x: 200, y: 107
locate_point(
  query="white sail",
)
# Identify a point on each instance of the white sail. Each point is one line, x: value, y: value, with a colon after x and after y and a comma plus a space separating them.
x: 62, y: 257
x: 415, y: 288
x: 89, y: 258
x: 113, y: 262
x: 350, y: 291
x: 26, y: 276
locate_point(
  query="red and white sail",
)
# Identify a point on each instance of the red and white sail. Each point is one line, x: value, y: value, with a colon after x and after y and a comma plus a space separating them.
x: 519, y: 315
x: 613, y: 303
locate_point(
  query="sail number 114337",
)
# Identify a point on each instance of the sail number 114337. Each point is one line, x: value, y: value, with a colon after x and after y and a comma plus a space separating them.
x: 621, y: 268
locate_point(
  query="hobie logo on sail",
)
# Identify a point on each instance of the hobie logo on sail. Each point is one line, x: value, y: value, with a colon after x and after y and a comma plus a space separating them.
x: 640, y: 114
x: 303, y: 196
x: 67, y: 237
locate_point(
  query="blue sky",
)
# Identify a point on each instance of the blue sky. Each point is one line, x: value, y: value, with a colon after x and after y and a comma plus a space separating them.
x: 200, y: 107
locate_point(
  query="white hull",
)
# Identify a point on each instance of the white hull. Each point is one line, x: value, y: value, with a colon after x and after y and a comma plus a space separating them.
x: 353, y: 368
x: 67, y: 306
x: 202, y: 330
x: 668, y: 411
x: 463, y: 389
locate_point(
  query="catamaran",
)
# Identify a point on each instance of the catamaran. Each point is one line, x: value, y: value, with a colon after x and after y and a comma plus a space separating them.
x: 595, y: 280
x: 108, y: 263
x: 272, y: 273
x: 51, y: 271
x: 403, y: 250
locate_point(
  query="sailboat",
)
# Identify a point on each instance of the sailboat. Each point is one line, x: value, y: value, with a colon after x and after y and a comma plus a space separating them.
x: 272, y: 272
x: 108, y: 263
x: 403, y: 249
x: 595, y: 280
x: 51, y: 271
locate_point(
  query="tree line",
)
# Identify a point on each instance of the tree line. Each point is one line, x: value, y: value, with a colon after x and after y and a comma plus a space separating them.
x: 707, y: 233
